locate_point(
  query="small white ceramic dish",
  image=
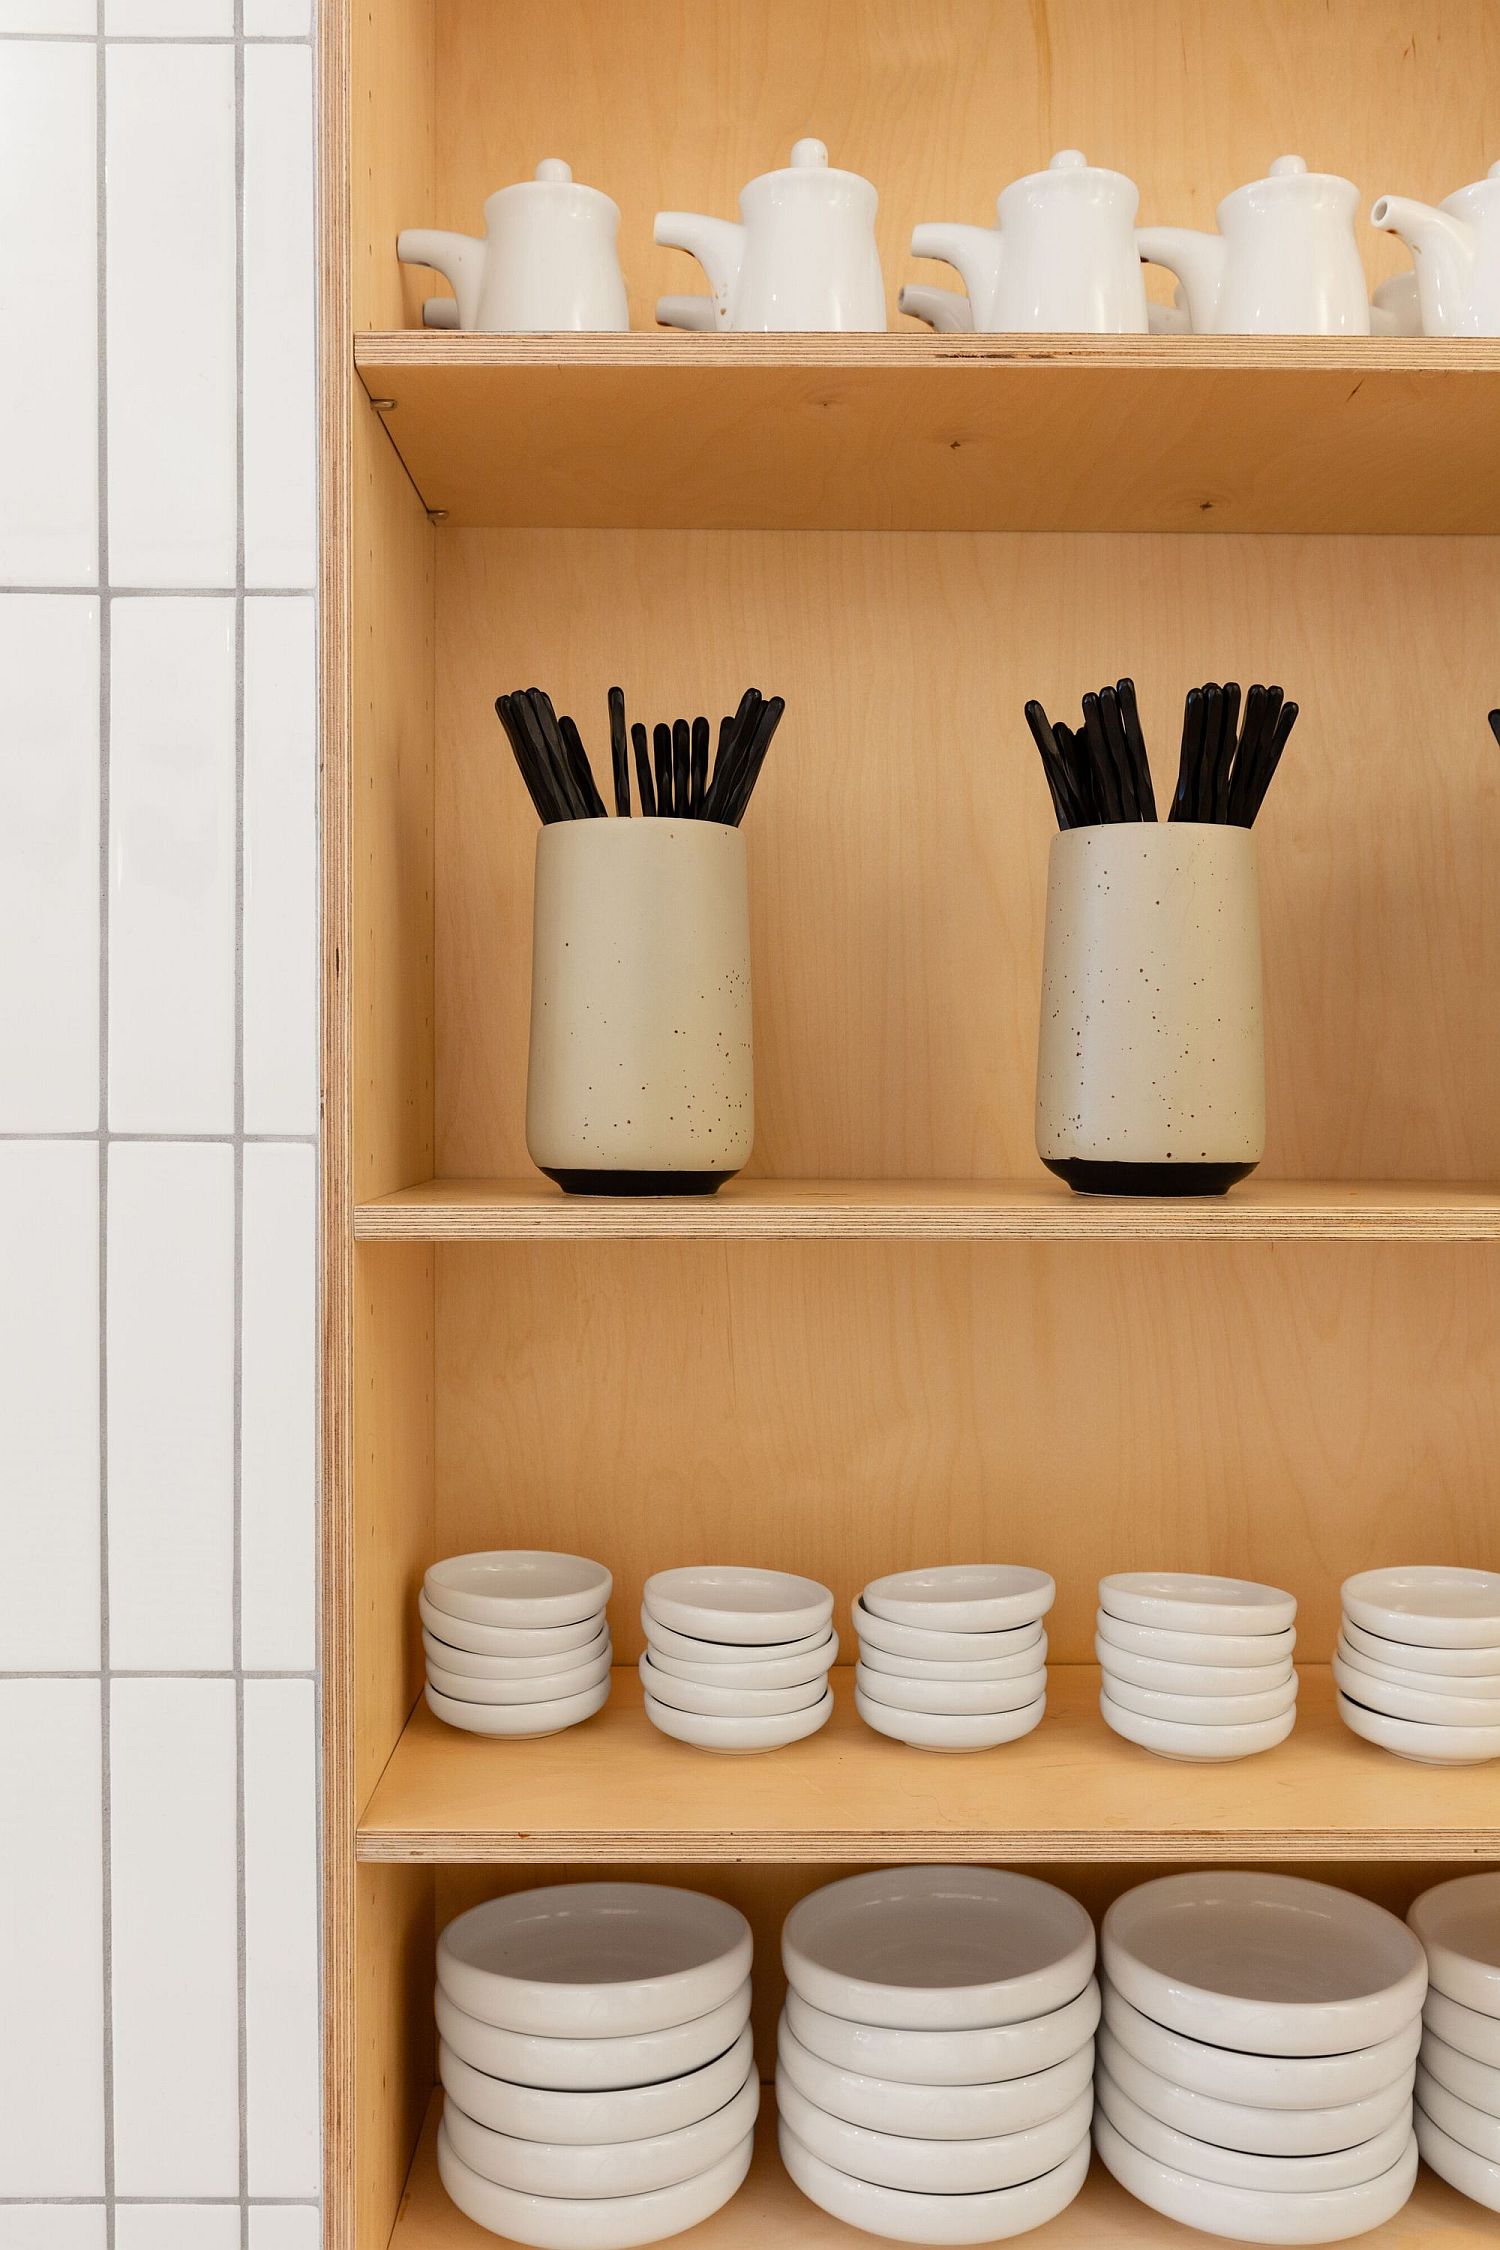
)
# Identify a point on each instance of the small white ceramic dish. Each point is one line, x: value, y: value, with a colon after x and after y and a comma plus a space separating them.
x: 1468, y: 2029
x: 610, y: 2222
x: 1229, y: 2074
x: 759, y: 1672
x: 1472, y: 2175
x: 1272, y: 1963
x: 634, y: 2167
x: 1254, y: 1650
x: 463, y: 1687
x: 1473, y: 2128
x: 510, y: 1640
x: 962, y: 1597
x: 930, y: 2167
x: 1432, y: 1605
x: 695, y: 1651
x: 1410, y: 1656
x: 575, y: 2119
x: 1190, y: 1679
x: 928, y: 1730
x: 729, y: 1602
x: 1257, y: 2132
x: 937, y: 2113
x: 1474, y: 2082
x: 462, y: 1663
x: 1183, y: 1601
x: 951, y: 1699
x: 1250, y: 2214
x: 1032, y: 1658
x: 938, y: 1646
x: 1197, y: 1745
x: 518, y: 1586
x: 730, y: 1702
x: 1232, y: 2167
x: 739, y: 1737
x: 515, y: 1719
x: 994, y: 2053
x: 1413, y: 1738
x: 1458, y: 1925
x: 1483, y: 1687
x: 1430, y: 1709
x: 1204, y: 1710
x: 594, y: 1960
x: 580, y: 2066
x: 903, y: 2217
x: 938, y: 1948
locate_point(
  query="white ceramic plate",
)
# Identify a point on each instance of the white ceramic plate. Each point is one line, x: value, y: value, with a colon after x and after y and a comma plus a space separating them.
x: 1458, y: 1924
x: 1413, y: 1738
x: 1410, y: 1656
x: 594, y: 1960
x: 1032, y: 1658
x: 739, y: 1737
x: 1429, y: 1708
x: 1462, y: 2121
x: 930, y: 2167
x: 955, y: 2060
x: 657, y: 2160
x: 1249, y: 2214
x: 463, y: 1687
x: 1472, y: 2175
x: 1228, y: 2074
x: 962, y: 1597
x: 728, y: 1602
x: 942, y: 1647
x: 518, y: 1586
x: 1183, y: 1601
x: 1231, y: 2167
x: 933, y: 2218
x: 951, y: 1699
x: 1432, y: 1605
x: 759, y: 1672
x: 927, y: 1730
x: 730, y: 1702
x: 1190, y: 1679
x: 1258, y: 2132
x: 510, y: 1640
x: 556, y: 2222
x: 1169, y: 1738
x: 1268, y: 1962
x: 627, y: 2113
x: 1476, y: 1687
x: 1216, y: 1649
x: 1474, y: 2082
x: 1204, y: 1710
x: 514, y: 1719
x: 579, y: 2066
x: 935, y: 2113
x: 1468, y: 2029
x: 463, y: 1663
x: 938, y: 1948
x: 695, y: 1651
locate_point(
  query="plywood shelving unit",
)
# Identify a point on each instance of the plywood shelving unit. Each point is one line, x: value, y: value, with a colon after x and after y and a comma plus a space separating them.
x: 895, y: 1339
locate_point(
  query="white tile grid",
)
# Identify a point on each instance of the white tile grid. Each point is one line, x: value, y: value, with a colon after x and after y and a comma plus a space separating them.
x: 184, y: 1905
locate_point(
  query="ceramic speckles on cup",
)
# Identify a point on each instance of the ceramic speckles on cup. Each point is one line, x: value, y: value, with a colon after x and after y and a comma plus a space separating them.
x: 640, y: 1078
x: 1150, y: 1066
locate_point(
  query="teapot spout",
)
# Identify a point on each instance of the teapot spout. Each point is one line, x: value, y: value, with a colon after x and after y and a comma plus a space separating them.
x: 1436, y: 240
x: 1196, y: 258
x: 975, y: 251
x: 717, y: 244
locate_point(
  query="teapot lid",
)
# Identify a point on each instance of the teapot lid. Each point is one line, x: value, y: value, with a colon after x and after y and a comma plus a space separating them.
x: 809, y: 156
x: 554, y: 168
x: 555, y: 172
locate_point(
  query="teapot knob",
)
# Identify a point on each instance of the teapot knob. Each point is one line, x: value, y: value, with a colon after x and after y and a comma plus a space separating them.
x: 1286, y: 166
x: 553, y: 168
x: 1068, y: 160
x: 809, y: 155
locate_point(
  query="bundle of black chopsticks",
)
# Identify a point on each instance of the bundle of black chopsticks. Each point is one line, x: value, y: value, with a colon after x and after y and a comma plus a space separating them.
x: 672, y: 766
x: 1099, y: 771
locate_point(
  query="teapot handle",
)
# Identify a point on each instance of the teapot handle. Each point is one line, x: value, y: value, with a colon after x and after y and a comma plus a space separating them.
x: 687, y: 312
x: 947, y: 312
x: 440, y: 312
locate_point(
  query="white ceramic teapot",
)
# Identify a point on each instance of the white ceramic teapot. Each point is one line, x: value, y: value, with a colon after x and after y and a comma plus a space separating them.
x: 1062, y: 258
x: 802, y: 255
x: 1456, y: 248
x: 1283, y: 263
x: 546, y: 260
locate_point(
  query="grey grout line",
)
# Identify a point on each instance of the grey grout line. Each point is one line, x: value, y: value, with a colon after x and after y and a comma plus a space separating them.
x: 170, y: 593
x: 106, y: 1744
x: 242, y: 2054
x: 154, y: 39
x: 149, y: 2202
x: 229, y: 1139
x: 156, y: 1672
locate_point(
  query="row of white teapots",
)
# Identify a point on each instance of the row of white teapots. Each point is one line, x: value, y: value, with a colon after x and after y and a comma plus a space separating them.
x: 1065, y: 256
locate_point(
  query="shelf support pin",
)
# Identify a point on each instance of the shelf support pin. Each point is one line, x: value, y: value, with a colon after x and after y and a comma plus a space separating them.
x: 384, y: 405
x: 437, y: 515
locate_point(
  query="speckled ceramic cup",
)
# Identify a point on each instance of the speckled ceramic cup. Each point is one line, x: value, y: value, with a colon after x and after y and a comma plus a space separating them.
x: 1151, y: 1066
x: 641, y: 1079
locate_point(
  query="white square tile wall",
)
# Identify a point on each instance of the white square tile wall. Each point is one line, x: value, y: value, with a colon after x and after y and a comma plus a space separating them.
x: 159, y: 1966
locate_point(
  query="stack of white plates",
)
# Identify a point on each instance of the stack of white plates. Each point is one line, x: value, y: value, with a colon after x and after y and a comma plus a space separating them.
x: 1257, y: 2055
x: 1196, y: 1667
x: 737, y: 1659
x: 517, y: 1641
x: 1418, y: 1663
x: 1458, y: 2084
x: 600, y: 2087
x: 954, y: 1658
x: 935, y: 2060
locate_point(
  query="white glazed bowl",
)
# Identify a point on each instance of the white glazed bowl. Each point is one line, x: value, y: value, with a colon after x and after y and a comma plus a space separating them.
x: 510, y: 1640
x: 1190, y: 1679
x: 1428, y: 1707
x: 1184, y: 1601
x: 579, y: 2066
x: 1271, y: 1963
x: 1239, y: 2125
x: 1458, y: 1926
x: 1032, y: 1658
x: 1474, y: 2082
x: 935, y: 2113
x: 1427, y: 1745
x: 932, y: 2167
x: 1171, y: 1738
x: 1232, y: 2167
x: 635, y: 2167
x: 962, y: 1597
x: 556, y: 2222
x: 739, y: 1737
x: 989, y: 2055
x: 1203, y: 1710
x: 716, y: 1702
x: 1473, y: 2176
x: 939, y: 1646
x: 463, y: 1687
x: 1462, y: 2121
x: 761, y: 1671
x: 1468, y: 2029
x: 512, y: 1719
x: 928, y: 1730
x: 952, y: 1699
x: 518, y: 1586
x: 938, y: 1948
x: 728, y: 1602
x: 577, y: 2118
x: 1251, y: 2214
x: 1410, y: 1656
x: 1474, y: 1687
x: 594, y: 1960
x: 462, y: 1663
x: 1254, y: 1650
x: 1429, y: 1604
x: 899, y: 2216
x: 695, y: 1651
x: 1229, y: 2074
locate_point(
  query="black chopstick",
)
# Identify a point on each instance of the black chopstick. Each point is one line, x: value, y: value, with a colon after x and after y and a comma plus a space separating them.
x: 619, y: 755
x: 661, y: 737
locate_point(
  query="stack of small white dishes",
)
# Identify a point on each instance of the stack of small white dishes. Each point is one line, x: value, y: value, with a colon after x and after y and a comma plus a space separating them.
x: 1197, y: 1668
x: 1418, y: 1663
x: 600, y: 2086
x: 1257, y: 2055
x: 517, y: 1641
x: 737, y: 1659
x: 1458, y: 2083
x: 953, y: 1658
x: 935, y: 2056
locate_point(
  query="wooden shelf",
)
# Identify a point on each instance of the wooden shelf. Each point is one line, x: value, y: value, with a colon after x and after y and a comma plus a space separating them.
x: 762, y: 1210
x: 910, y: 432
x: 615, y: 1790
x: 771, y: 2213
